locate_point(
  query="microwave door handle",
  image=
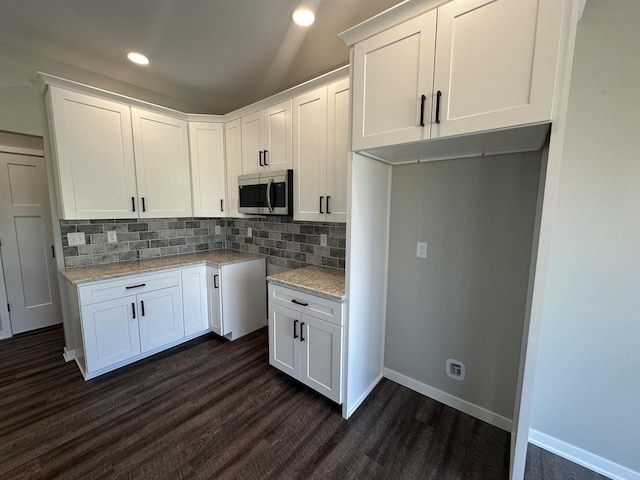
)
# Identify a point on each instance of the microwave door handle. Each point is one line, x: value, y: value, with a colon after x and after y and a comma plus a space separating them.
x: 269, y: 187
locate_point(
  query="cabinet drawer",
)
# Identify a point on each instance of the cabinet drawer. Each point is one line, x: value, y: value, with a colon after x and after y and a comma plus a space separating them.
x: 132, y: 285
x: 307, y: 303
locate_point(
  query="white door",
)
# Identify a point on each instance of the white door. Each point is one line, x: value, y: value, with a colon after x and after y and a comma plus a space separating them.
x: 233, y: 163
x: 110, y: 331
x: 194, y: 299
x: 492, y: 78
x: 284, y: 339
x: 160, y: 318
x: 252, y: 154
x: 310, y: 155
x: 215, y: 301
x: 206, y: 150
x: 161, y: 147
x: 93, y: 147
x: 321, y: 352
x: 337, y: 150
x: 26, y: 236
x: 391, y: 72
x: 276, y: 141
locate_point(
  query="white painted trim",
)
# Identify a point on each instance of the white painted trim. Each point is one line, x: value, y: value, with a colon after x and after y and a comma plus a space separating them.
x: 362, y: 398
x: 31, y: 152
x: 589, y: 460
x: 469, y: 408
x: 5, y: 319
x: 69, y: 355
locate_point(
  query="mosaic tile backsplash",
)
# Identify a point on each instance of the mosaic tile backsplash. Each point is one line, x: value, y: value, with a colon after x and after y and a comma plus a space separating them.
x: 284, y: 242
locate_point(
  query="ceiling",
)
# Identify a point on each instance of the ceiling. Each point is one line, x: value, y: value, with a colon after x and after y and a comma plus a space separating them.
x: 217, y: 54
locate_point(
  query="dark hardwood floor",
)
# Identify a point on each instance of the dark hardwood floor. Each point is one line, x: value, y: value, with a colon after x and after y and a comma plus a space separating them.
x: 216, y: 409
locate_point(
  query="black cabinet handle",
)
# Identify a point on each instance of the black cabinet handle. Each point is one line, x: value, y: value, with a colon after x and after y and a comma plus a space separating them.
x: 144, y: 208
x: 136, y: 286
x: 302, y: 332
x: 299, y: 303
x: 260, y: 158
x: 295, y: 331
x: 53, y: 251
x: 221, y: 205
x: 266, y: 162
x: 215, y: 282
x: 328, y: 198
x: 142, y: 306
x: 321, y: 198
x: 438, y: 96
x: 133, y: 309
x: 423, y: 100
x: 133, y: 204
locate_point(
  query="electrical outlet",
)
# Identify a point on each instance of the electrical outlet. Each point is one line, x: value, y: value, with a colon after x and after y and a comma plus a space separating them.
x: 421, y: 250
x: 455, y: 369
x: 218, y: 230
x: 249, y: 232
x: 323, y: 239
x: 112, y: 236
x: 76, y: 238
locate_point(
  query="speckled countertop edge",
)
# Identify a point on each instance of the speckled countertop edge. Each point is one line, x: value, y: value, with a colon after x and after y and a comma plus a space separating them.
x: 322, y: 281
x: 215, y: 258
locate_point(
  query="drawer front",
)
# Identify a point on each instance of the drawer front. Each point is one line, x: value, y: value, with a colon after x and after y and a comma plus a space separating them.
x: 132, y: 285
x: 307, y: 303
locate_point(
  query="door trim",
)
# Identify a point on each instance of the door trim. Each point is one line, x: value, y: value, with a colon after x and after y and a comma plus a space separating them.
x: 5, y: 322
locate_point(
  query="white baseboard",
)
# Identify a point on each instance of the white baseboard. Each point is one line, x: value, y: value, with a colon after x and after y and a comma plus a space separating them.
x: 69, y: 355
x: 450, y: 400
x: 577, y: 455
x: 347, y: 412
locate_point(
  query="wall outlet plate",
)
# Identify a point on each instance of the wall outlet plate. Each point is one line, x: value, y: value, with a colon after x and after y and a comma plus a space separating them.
x: 112, y: 236
x: 76, y: 238
x: 455, y: 369
x: 421, y: 250
x: 249, y: 232
x: 218, y: 230
x: 323, y: 239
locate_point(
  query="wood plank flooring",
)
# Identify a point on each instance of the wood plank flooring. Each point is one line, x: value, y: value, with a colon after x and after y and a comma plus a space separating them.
x: 215, y: 409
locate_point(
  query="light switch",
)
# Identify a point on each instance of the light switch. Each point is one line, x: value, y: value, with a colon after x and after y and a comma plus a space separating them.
x: 76, y: 238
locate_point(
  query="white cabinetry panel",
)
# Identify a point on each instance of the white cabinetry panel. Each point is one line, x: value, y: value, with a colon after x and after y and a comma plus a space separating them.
x: 284, y: 353
x: 160, y: 318
x: 208, y: 182
x: 233, y: 160
x: 321, y: 352
x: 194, y: 299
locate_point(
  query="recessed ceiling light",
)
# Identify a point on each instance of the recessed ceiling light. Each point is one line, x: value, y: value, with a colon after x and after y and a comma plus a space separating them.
x: 138, y: 58
x: 303, y: 17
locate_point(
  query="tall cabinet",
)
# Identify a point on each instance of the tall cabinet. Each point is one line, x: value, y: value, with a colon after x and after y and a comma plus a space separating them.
x: 208, y: 180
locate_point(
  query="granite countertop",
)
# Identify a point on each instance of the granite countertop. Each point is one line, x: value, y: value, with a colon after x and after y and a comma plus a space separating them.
x: 323, y: 281
x: 216, y: 258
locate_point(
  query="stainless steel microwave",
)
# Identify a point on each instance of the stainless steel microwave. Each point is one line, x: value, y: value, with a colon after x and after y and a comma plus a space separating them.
x: 269, y: 193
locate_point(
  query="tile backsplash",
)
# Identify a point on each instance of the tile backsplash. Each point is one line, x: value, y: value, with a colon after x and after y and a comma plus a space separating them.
x: 285, y: 243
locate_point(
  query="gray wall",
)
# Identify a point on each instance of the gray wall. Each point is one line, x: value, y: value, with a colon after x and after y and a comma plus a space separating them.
x: 587, y: 389
x: 467, y: 299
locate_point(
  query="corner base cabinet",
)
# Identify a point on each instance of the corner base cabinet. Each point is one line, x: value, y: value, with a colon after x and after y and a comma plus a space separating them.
x: 306, y: 339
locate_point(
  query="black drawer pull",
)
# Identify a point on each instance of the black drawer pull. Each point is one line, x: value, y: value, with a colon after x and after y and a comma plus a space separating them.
x: 266, y: 162
x: 142, y: 305
x: 423, y: 99
x: 144, y: 208
x: 136, y: 286
x: 321, y: 199
x: 133, y: 310
x: 328, y: 198
x: 221, y: 205
x: 302, y: 332
x: 295, y: 330
x: 215, y: 282
x: 260, y: 159
x: 299, y: 303
x: 133, y: 204
x: 438, y: 97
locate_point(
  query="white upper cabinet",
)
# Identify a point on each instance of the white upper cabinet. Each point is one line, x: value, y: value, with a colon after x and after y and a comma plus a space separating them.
x: 391, y: 72
x: 495, y: 64
x: 491, y: 65
x: 266, y: 139
x: 320, y: 153
x: 161, y: 148
x: 233, y: 160
x: 91, y: 139
x: 208, y: 181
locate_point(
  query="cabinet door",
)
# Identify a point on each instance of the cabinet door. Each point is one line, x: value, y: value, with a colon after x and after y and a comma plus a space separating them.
x: 391, y: 71
x: 208, y: 182
x: 337, y: 150
x: 495, y: 64
x: 160, y: 317
x: 93, y: 149
x: 194, y: 299
x: 321, y: 352
x: 252, y: 143
x: 310, y: 155
x: 215, y: 301
x: 162, y: 165
x: 277, y: 133
x: 110, y: 331
x: 233, y: 159
x: 284, y: 339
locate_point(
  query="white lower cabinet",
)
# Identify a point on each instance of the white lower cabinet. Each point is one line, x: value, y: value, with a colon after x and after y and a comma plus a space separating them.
x: 215, y: 301
x: 302, y: 343
x: 194, y: 300
x: 160, y: 318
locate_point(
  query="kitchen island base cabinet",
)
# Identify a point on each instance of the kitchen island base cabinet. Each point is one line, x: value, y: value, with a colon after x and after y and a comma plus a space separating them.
x: 303, y: 346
